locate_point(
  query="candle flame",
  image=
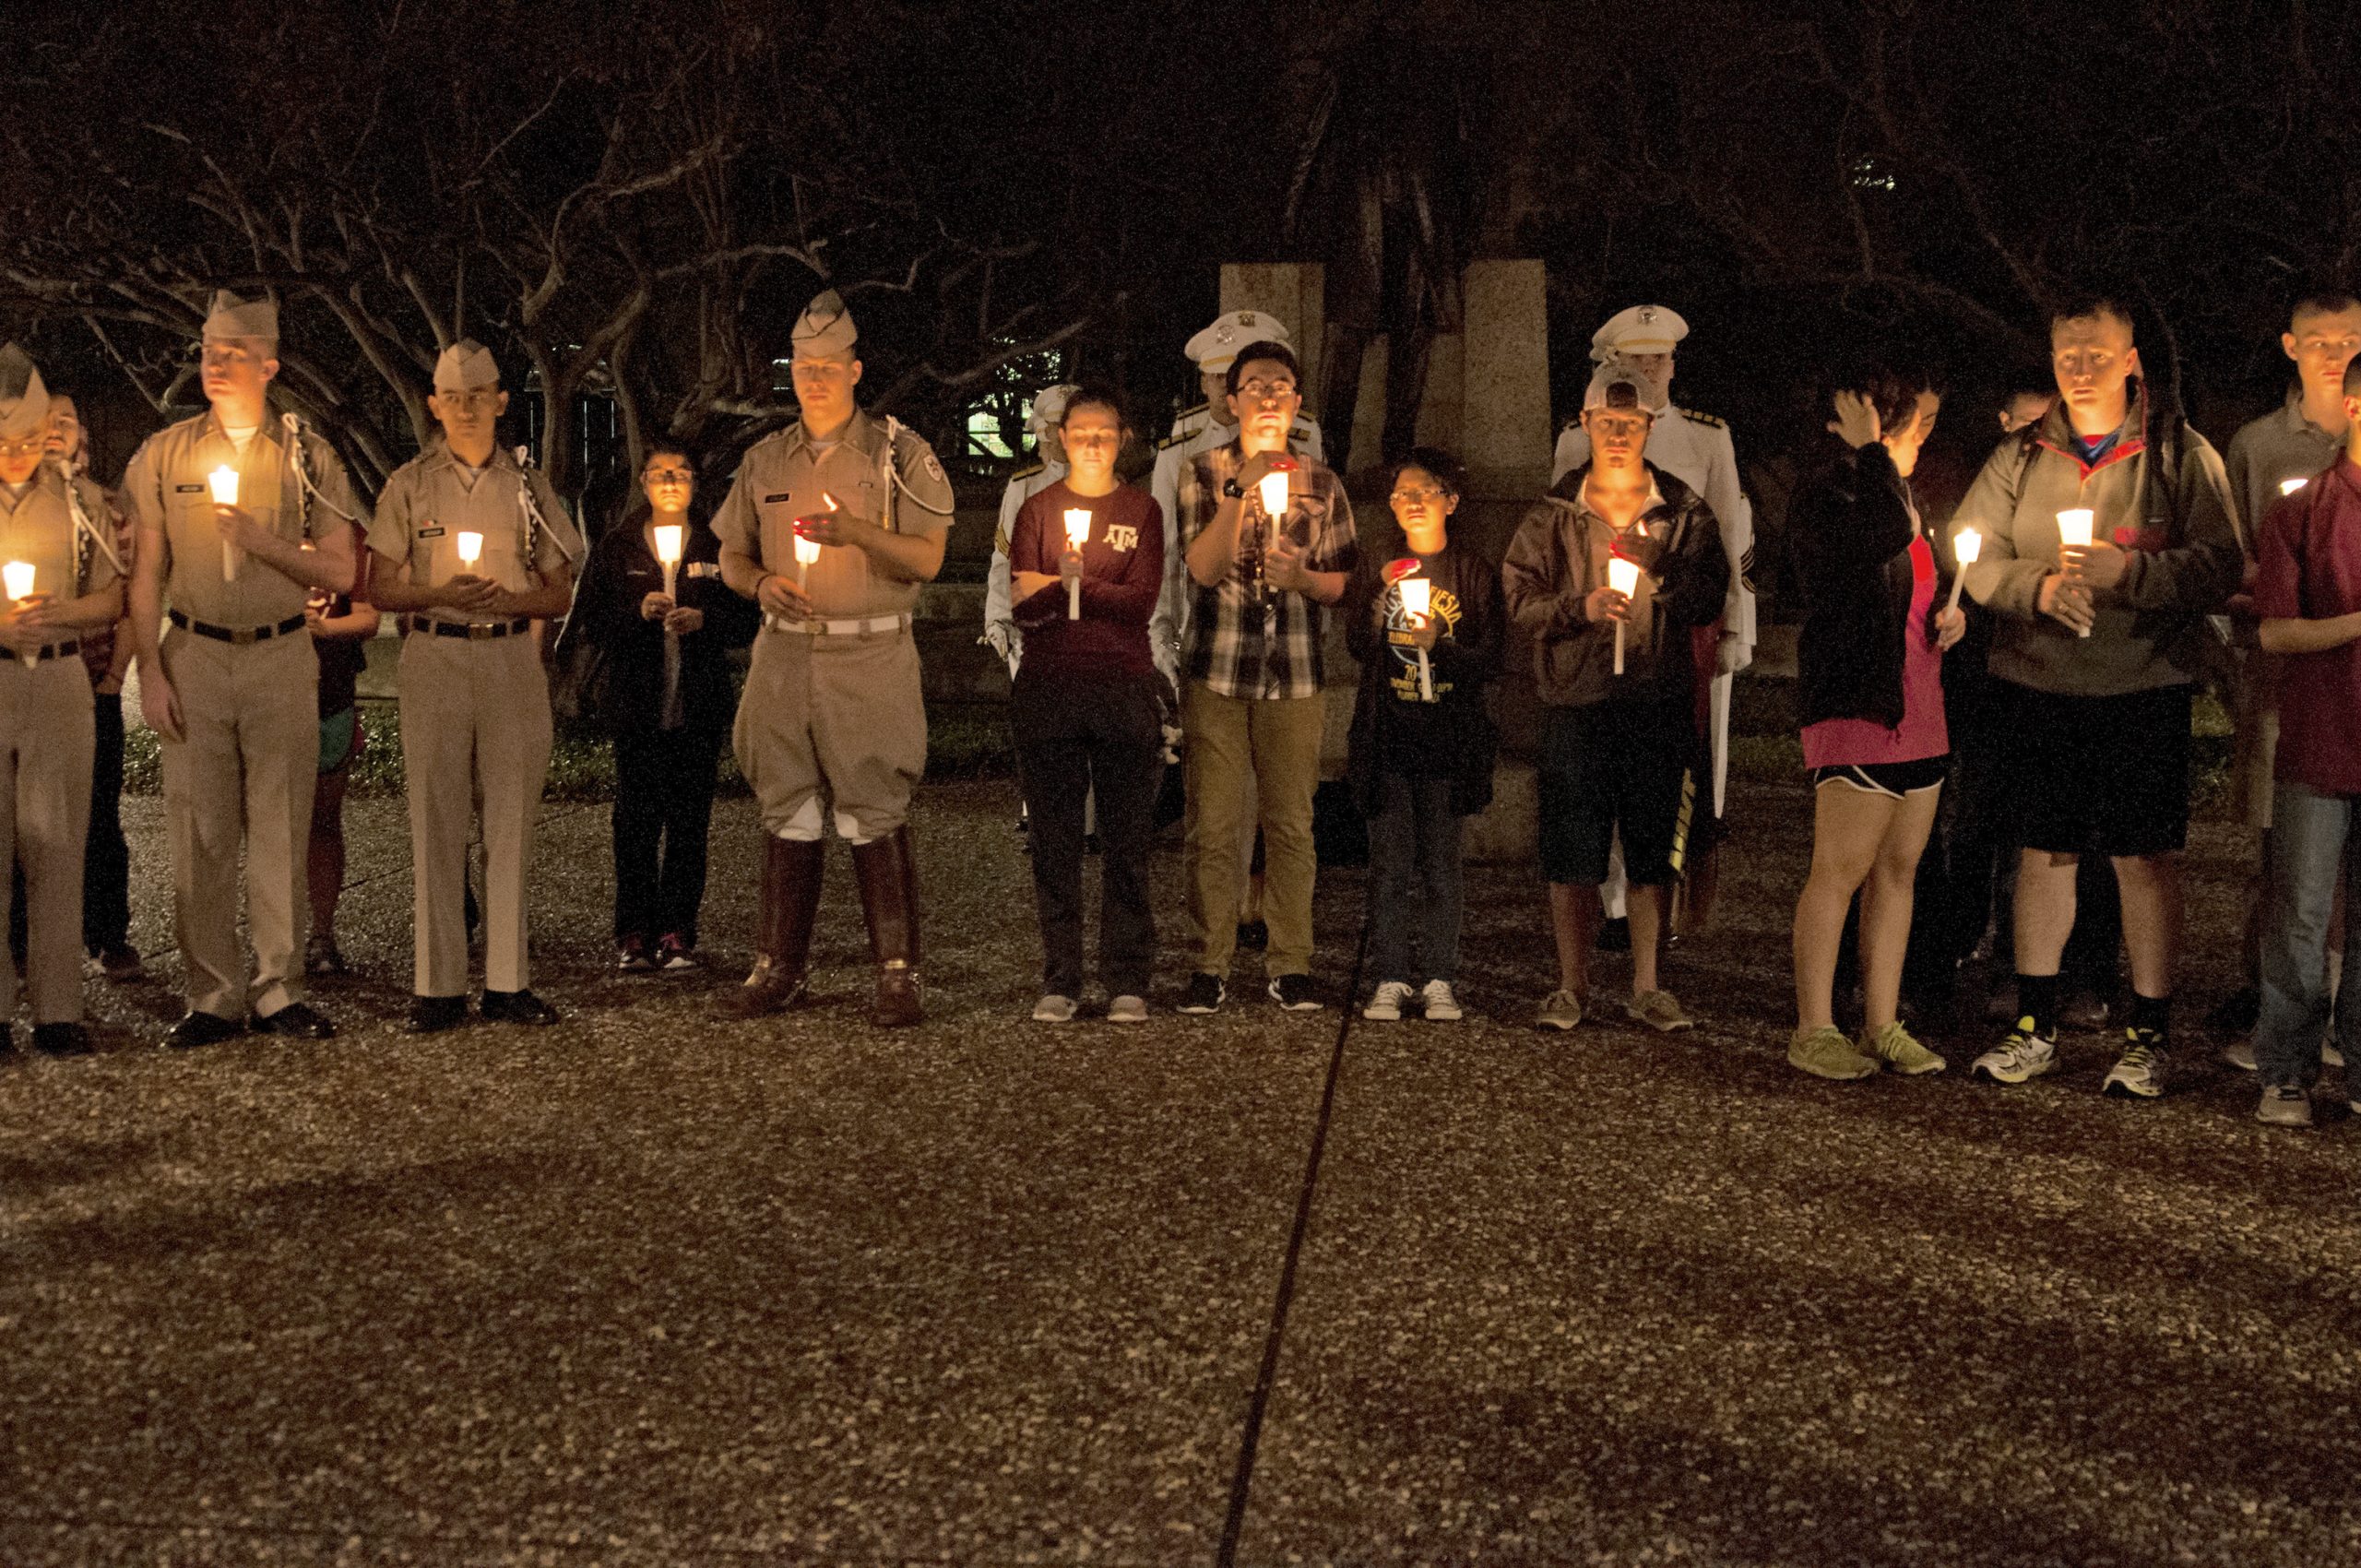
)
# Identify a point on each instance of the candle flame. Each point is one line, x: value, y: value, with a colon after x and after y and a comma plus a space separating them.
x: 1968, y: 544
x: 19, y: 579
x: 669, y: 540
x: 1078, y: 527
x: 1624, y: 576
x: 471, y: 548
x: 806, y: 550
x: 224, y: 480
x: 1274, y: 487
x: 2074, y: 526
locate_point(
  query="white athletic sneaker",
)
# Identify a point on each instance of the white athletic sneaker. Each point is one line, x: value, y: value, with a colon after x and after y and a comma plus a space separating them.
x: 2140, y: 1069
x: 1055, y: 1010
x: 1127, y: 1009
x: 2285, y: 1105
x: 1442, y: 1007
x: 2022, y: 1055
x: 1385, y: 1007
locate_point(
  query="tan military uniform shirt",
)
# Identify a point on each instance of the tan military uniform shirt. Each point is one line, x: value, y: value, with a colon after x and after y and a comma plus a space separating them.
x: 433, y: 498
x: 783, y: 478
x: 36, y: 528
x: 169, y: 495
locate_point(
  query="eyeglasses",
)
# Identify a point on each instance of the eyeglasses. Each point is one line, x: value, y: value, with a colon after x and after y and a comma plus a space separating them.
x: 1261, y: 388
x: 22, y: 448
x: 670, y: 476
x: 1408, y: 497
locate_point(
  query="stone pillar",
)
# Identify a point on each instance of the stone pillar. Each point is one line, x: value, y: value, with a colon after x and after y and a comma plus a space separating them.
x: 1504, y: 385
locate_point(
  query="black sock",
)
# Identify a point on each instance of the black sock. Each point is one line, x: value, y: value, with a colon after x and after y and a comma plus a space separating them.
x: 2153, y: 1013
x: 2037, y: 995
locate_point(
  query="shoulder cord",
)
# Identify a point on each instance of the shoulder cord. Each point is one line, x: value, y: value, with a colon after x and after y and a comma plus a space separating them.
x: 304, y: 488
x: 87, y: 537
x: 529, y: 510
x: 889, y: 473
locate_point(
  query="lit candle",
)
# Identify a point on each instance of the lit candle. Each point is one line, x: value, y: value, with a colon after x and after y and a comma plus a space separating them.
x: 1418, y: 602
x: 1077, y: 535
x: 1274, y: 489
x: 2074, y: 532
x: 224, y: 480
x: 670, y: 537
x: 1623, y: 577
x: 2289, y: 486
x: 806, y: 552
x: 18, y: 578
x: 1966, y: 545
x: 471, y: 548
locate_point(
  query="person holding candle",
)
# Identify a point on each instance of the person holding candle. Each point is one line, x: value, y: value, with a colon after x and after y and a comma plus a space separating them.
x: 2308, y: 601
x: 1086, y: 563
x: 472, y: 548
x: 2275, y: 455
x: 2099, y: 724
x: 1252, y: 707
x: 666, y: 698
x: 1620, y: 752
x: 1423, y: 617
x: 1870, y: 696
x: 833, y: 721
x: 62, y: 581
x: 233, y: 690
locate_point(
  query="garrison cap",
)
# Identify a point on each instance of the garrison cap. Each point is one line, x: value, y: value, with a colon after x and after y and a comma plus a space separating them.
x: 1216, y: 347
x: 465, y: 364
x: 233, y: 317
x: 825, y: 326
x: 1640, y: 330
x: 26, y: 412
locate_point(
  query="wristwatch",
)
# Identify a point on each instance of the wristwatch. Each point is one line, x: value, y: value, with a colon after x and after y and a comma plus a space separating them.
x: 1231, y: 488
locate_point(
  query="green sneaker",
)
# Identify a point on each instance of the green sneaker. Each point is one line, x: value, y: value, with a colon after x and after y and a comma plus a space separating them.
x: 1824, y: 1052
x: 1562, y: 1010
x: 1895, y: 1046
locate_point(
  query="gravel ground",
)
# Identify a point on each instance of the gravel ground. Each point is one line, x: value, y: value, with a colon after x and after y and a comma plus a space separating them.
x: 649, y: 1287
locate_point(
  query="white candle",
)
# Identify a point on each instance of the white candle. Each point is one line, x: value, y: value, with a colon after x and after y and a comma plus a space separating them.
x: 1966, y: 545
x: 224, y: 480
x: 2289, y: 486
x: 669, y: 542
x: 1418, y: 602
x: 1077, y: 535
x: 1274, y: 493
x: 2074, y: 528
x: 18, y: 578
x: 1623, y: 577
x: 806, y: 552
x: 471, y: 548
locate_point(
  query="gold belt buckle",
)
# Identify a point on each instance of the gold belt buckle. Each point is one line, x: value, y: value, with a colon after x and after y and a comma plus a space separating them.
x: 479, y: 631
x: 244, y: 636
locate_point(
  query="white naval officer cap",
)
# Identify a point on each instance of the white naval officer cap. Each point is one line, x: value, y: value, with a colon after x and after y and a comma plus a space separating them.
x: 231, y: 317
x: 825, y: 326
x: 1640, y: 330
x: 24, y: 411
x: 465, y: 365
x: 1049, y: 407
x: 1216, y: 347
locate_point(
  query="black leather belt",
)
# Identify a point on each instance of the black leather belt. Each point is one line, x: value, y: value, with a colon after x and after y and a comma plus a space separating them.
x: 239, y: 635
x: 474, y: 631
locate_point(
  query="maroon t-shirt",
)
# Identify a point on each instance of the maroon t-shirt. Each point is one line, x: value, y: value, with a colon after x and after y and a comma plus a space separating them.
x: 1123, y: 572
x: 2309, y: 569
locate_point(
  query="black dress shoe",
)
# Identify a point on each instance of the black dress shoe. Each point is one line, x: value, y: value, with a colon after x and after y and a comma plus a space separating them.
x: 62, y: 1040
x: 515, y: 1007
x: 197, y: 1028
x: 296, y: 1021
x: 432, y: 1014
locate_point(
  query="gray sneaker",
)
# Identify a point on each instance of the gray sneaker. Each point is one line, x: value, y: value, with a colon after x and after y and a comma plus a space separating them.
x: 1055, y: 1010
x: 1561, y: 1010
x: 2285, y: 1105
x: 1659, y: 1010
x: 1127, y: 1009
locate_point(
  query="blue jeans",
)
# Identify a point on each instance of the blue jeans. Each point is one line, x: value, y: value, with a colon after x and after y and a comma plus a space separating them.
x: 2312, y: 845
x: 1414, y: 884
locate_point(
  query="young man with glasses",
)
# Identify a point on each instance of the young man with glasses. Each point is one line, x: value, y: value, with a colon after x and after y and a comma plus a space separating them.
x: 1260, y: 580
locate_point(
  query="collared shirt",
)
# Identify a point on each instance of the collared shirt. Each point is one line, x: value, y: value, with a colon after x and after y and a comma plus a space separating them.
x: 430, y: 501
x: 167, y: 492
x: 2309, y: 568
x: 1234, y: 648
x: 36, y: 528
x: 2267, y: 452
x: 783, y: 478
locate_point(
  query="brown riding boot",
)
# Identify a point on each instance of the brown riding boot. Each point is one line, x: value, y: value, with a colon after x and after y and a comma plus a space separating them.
x: 889, y: 898
x: 790, y: 890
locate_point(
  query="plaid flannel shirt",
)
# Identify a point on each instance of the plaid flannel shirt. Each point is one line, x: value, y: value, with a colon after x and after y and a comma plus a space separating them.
x: 1275, y: 654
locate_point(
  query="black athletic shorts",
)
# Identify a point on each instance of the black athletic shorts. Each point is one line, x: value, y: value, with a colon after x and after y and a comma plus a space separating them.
x: 2105, y: 776
x: 1893, y: 778
x: 1613, y: 764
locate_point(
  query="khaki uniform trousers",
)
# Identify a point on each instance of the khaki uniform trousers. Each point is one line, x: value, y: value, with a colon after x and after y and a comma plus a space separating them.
x: 1248, y: 759
x: 833, y: 719
x: 252, y: 716
x: 47, y: 732
x: 475, y: 734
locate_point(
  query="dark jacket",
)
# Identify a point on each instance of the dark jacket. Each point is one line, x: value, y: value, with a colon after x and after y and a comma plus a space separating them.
x: 1559, y: 554
x: 1851, y: 529
x: 1453, y: 736
x: 621, y: 573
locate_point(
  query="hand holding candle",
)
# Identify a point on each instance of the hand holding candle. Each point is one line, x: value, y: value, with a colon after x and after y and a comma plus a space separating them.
x: 2074, y: 534
x: 1077, y: 535
x: 1966, y: 545
x: 18, y: 578
x: 1623, y: 577
x: 224, y: 481
x: 670, y: 539
x: 1417, y: 603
